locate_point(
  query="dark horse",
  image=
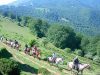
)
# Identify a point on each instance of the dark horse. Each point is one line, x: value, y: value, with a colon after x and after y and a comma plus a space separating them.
x: 27, y: 50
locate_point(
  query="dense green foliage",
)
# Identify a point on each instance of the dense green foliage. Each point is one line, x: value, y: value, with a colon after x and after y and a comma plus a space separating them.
x: 91, y: 47
x: 32, y: 43
x: 4, y: 53
x: 39, y: 28
x: 62, y: 37
x: 84, y: 16
x: 9, y: 67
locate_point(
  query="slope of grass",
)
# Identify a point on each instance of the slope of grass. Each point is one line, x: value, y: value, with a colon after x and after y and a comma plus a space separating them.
x: 11, y: 30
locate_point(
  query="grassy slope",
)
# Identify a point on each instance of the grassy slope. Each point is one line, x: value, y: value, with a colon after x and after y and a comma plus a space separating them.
x: 11, y: 30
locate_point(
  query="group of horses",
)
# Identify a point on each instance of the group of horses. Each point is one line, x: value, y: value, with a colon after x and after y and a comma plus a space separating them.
x: 35, y: 52
x: 12, y: 43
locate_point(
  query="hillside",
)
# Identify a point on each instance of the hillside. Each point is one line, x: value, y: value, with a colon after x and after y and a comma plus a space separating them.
x: 83, y: 16
x: 11, y: 30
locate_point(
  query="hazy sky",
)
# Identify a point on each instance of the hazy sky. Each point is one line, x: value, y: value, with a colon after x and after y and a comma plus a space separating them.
x: 4, y: 2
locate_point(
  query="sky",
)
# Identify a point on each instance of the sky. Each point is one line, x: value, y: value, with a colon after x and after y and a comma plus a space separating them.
x: 4, y: 2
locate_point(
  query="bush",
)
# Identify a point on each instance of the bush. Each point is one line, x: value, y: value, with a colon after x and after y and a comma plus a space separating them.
x: 4, y: 53
x: 33, y: 42
x: 44, y: 71
x: 97, y: 59
x: 68, y: 50
x: 9, y: 67
x: 44, y: 41
x: 79, y: 52
x: 89, y: 56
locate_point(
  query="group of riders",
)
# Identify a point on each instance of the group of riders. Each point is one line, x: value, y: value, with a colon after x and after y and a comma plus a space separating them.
x: 35, y: 51
x: 14, y: 44
x: 75, y: 61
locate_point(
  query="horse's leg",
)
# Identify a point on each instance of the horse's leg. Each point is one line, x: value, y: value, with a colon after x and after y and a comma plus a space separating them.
x: 82, y: 72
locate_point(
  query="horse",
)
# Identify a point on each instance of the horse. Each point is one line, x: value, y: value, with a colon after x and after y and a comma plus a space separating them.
x: 27, y: 50
x: 36, y: 53
x: 12, y: 44
x: 57, y: 60
x: 81, y: 67
x: 8, y: 42
x: 17, y: 46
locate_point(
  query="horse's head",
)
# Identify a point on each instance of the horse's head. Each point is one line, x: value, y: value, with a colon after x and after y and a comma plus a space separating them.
x: 70, y: 65
x: 49, y: 59
x: 88, y: 66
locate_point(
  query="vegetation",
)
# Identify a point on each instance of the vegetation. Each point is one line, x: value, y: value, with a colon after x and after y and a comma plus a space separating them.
x: 32, y: 43
x: 9, y: 67
x: 39, y: 28
x: 62, y: 37
x: 44, y: 71
x: 84, y: 18
x: 4, y: 53
x: 91, y: 47
x: 88, y: 47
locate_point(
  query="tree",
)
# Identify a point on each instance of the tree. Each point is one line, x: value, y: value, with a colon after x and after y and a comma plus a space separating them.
x: 62, y: 36
x: 39, y: 28
x: 98, y: 48
x: 9, y: 67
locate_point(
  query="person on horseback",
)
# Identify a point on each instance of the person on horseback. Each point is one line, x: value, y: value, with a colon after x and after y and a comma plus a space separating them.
x: 54, y: 57
x: 1, y: 38
x: 76, y: 62
x: 16, y: 42
x: 26, y: 46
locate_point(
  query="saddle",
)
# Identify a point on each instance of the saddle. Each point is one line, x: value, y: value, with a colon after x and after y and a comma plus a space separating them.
x: 54, y: 59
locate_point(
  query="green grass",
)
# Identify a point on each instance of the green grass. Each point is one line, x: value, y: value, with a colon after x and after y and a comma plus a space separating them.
x: 28, y: 64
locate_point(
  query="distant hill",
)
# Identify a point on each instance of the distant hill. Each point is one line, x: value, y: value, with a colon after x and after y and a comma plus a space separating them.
x: 84, y: 16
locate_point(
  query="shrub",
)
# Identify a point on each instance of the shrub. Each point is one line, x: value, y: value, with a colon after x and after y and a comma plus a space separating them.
x: 89, y: 56
x: 33, y: 42
x: 97, y: 59
x: 79, y: 52
x: 68, y: 50
x: 4, y: 53
x: 9, y: 67
x: 44, y: 41
x: 44, y: 71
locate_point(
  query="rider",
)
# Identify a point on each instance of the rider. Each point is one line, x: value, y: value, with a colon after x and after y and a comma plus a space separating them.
x: 26, y: 46
x: 16, y: 42
x: 76, y: 62
x: 54, y: 56
x: 1, y: 38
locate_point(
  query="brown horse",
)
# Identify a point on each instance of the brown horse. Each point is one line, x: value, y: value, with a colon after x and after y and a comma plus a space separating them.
x: 36, y: 54
x: 27, y: 50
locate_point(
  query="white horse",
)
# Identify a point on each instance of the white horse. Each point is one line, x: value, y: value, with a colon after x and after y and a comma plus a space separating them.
x: 12, y: 44
x: 57, y: 60
x: 81, y: 67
